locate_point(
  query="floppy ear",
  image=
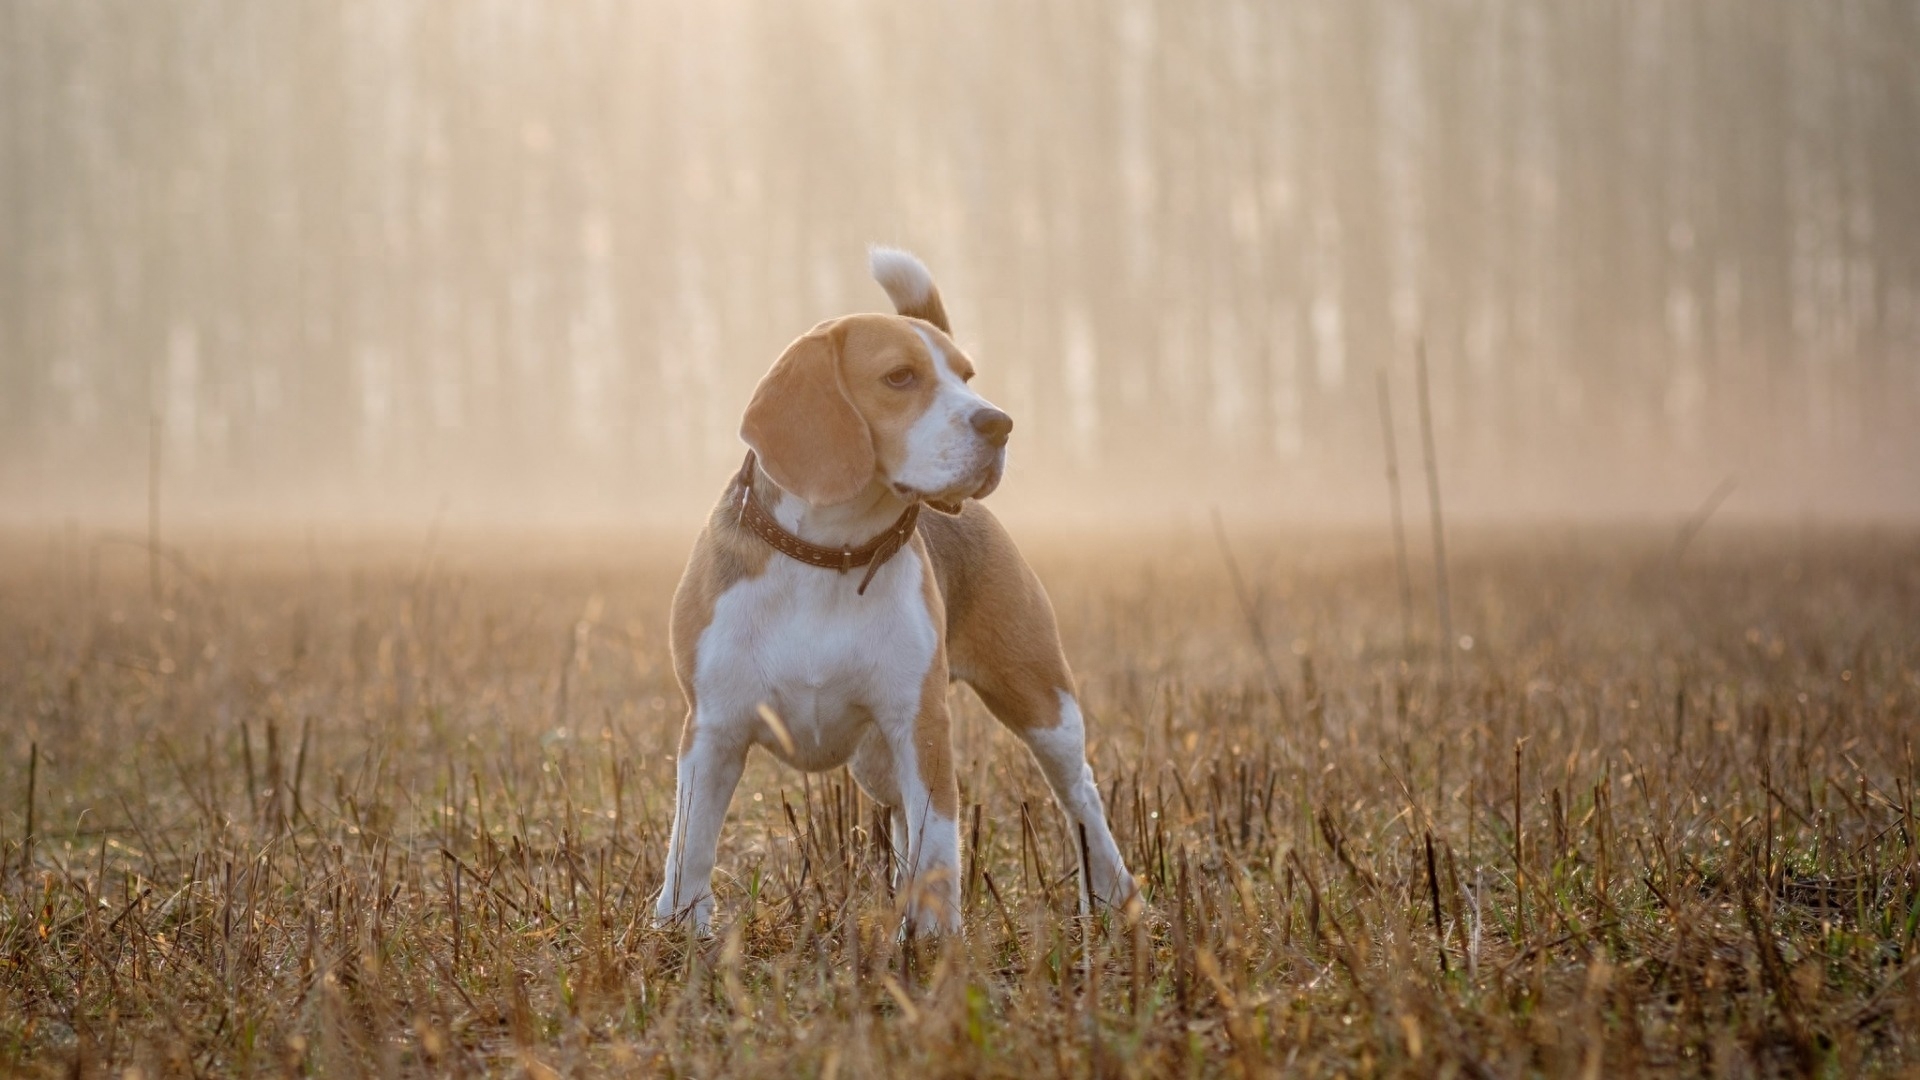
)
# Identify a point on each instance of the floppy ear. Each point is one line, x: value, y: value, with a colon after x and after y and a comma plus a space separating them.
x: 804, y: 428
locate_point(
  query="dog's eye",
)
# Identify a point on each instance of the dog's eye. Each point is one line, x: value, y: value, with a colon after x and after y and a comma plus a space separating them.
x: 900, y: 378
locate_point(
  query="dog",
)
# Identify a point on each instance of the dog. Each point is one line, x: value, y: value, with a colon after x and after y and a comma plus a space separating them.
x: 821, y: 615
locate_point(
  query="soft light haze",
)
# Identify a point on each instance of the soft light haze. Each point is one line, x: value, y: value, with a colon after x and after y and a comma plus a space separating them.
x: 509, y: 261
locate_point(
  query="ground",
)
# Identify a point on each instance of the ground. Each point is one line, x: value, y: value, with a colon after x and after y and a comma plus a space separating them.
x: 344, y: 806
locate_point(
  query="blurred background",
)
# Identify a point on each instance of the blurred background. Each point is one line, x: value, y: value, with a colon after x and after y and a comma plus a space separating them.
x: 507, y: 261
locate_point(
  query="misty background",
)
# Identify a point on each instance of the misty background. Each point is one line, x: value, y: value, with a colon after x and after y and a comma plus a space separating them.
x: 522, y: 262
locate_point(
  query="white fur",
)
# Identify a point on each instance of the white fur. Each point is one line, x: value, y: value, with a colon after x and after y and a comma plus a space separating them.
x: 904, y: 276
x: 844, y: 673
x: 945, y: 457
x: 840, y: 670
x: 1061, y: 751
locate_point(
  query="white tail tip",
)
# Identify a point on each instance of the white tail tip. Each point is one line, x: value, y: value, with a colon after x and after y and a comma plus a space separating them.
x: 902, y: 274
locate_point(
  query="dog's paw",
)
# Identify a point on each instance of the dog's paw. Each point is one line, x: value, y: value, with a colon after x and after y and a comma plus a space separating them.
x: 926, y: 923
x: 696, y: 916
x: 932, y: 908
x: 1113, y: 888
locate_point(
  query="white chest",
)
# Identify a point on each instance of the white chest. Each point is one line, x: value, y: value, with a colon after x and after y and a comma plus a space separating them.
x: 827, y: 660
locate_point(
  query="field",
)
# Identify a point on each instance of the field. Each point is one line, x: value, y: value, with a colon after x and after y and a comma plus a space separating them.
x: 342, y: 807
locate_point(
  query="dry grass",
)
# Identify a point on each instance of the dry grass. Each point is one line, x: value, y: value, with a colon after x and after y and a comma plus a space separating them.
x: 363, y: 810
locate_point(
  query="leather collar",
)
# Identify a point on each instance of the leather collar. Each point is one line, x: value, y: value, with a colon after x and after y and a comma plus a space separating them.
x: 871, y: 554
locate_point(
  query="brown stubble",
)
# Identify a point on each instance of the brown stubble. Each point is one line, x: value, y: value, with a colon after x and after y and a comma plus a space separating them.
x: 1662, y: 937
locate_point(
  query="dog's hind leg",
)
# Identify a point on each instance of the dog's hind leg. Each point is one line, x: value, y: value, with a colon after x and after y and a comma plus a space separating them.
x: 916, y: 738
x: 1037, y: 706
x: 872, y: 769
x: 1003, y: 640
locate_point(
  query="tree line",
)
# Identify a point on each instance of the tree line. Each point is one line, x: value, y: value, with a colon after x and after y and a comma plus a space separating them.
x: 350, y: 255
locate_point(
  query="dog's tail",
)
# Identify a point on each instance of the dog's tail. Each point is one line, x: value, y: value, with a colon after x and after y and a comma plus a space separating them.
x: 908, y: 283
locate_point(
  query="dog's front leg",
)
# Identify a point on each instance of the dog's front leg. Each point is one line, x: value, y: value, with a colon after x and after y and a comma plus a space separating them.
x: 929, y: 798
x: 709, y: 769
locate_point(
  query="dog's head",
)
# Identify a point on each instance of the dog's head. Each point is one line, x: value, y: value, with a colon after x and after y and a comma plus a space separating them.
x: 868, y: 399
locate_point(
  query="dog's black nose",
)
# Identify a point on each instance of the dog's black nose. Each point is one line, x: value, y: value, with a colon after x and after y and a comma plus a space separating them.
x: 994, y: 425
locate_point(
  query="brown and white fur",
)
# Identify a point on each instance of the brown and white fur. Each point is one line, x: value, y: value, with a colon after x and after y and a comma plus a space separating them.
x: 858, y: 417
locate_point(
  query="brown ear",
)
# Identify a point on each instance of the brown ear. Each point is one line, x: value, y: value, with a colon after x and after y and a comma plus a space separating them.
x: 804, y: 428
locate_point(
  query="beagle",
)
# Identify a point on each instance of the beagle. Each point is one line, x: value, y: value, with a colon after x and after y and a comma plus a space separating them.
x: 821, y: 616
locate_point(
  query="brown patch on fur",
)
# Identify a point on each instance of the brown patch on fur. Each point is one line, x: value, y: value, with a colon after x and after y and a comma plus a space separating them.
x: 1001, y: 635
x: 900, y: 286
x: 724, y: 555
x: 803, y: 425
x: 875, y: 347
x: 825, y: 420
x: 930, y: 309
x: 932, y: 730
